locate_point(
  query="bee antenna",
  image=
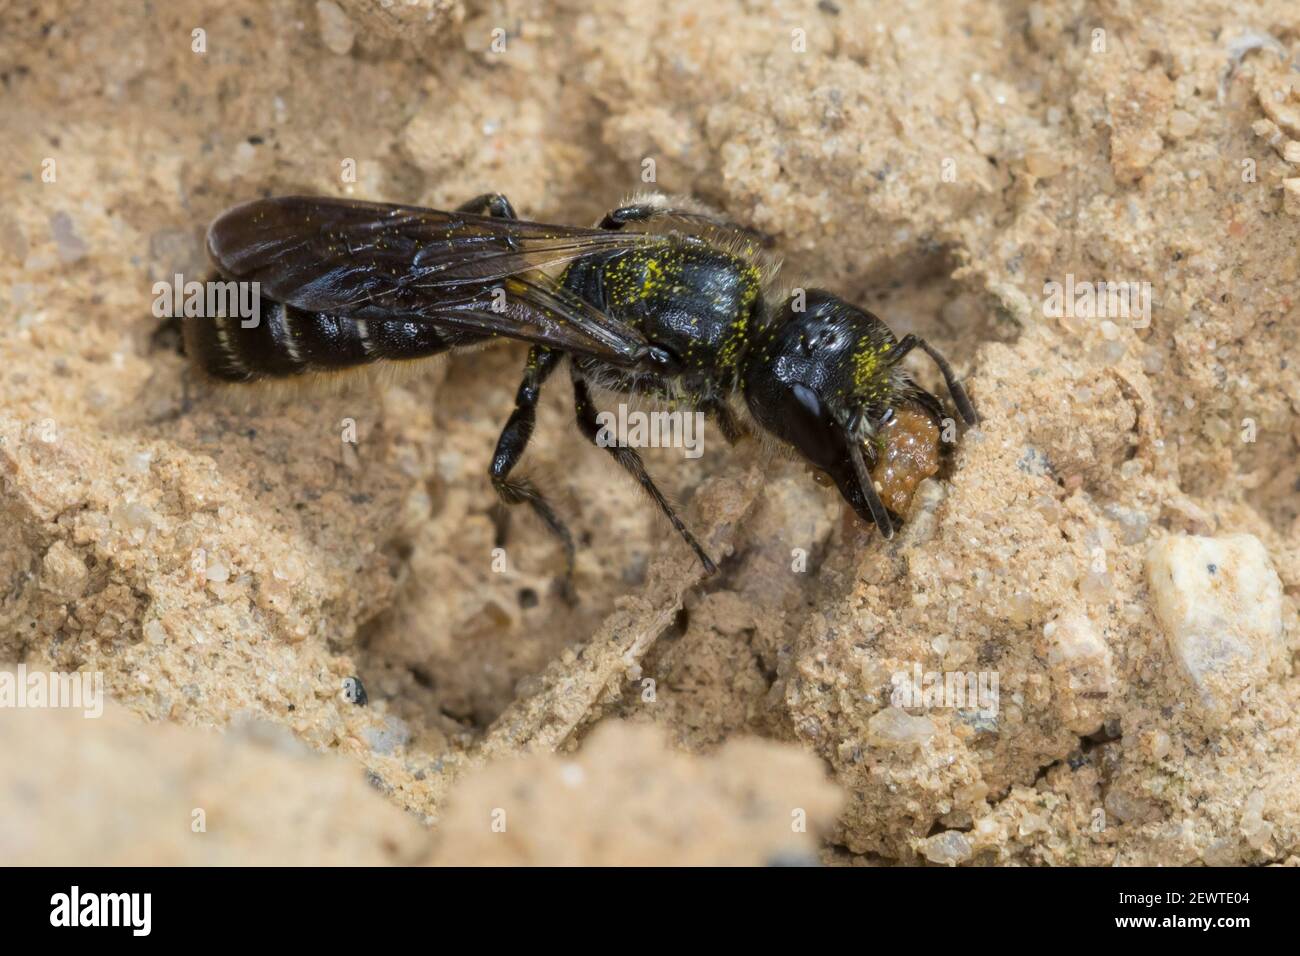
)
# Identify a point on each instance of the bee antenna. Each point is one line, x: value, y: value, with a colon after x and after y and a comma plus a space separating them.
x: 878, y: 512
x: 955, y: 389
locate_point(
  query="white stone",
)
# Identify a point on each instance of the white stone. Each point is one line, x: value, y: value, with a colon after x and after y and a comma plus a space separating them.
x: 154, y: 632
x: 394, y: 734
x: 336, y: 30
x: 949, y: 847
x: 895, y: 727
x: 1082, y: 670
x: 1254, y: 827
x: 217, y: 571
x: 1078, y: 651
x: 1220, y: 603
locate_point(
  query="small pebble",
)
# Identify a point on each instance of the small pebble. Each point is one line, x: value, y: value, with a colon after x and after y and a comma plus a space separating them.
x: 71, y: 247
x: 1219, y: 602
x: 336, y: 30
x: 894, y: 727
x: 216, y: 571
x: 392, y: 735
x: 949, y: 847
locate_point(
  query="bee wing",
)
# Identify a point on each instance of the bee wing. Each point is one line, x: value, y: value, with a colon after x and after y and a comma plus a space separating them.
x: 366, y: 260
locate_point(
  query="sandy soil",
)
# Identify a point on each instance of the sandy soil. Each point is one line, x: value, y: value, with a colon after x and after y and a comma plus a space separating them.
x: 1118, y: 543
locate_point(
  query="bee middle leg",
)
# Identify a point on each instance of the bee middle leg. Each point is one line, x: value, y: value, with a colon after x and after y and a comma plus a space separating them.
x: 514, y: 439
x: 628, y: 458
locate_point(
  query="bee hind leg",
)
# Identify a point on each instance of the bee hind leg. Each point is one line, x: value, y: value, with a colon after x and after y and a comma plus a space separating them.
x: 510, y: 448
x: 494, y: 204
x: 628, y: 458
x: 656, y: 206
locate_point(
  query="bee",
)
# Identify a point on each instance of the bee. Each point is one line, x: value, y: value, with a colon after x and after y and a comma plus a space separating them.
x: 661, y: 298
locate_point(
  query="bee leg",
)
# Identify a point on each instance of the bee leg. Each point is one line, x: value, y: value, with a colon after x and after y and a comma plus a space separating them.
x: 494, y: 204
x: 955, y: 389
x: 647, y: 211
x: 513, y: 441
x: 628, y: 458
x: 725, y: 420
x: 167, y: 336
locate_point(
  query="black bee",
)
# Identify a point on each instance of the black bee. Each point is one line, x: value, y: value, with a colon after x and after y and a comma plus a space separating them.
x: 658, y: 299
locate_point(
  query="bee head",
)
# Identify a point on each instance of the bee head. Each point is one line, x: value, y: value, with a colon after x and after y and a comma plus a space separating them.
x: 823, y: 379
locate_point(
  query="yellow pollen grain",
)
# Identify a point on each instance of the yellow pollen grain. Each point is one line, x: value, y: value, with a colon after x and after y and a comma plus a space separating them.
x: 866, y: 366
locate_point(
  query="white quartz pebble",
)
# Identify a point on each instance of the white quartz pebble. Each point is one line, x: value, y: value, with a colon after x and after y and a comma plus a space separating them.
x: 1220, y: 604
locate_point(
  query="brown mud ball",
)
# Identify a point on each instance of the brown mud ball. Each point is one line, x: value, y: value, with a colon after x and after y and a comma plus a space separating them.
x: 911, y: 455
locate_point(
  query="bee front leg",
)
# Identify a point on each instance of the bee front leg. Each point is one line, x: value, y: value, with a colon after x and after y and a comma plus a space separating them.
x: 589, y: 423
x: 510, y: 448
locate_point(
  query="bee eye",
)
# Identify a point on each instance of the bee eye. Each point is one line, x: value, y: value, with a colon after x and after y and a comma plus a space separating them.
x: 888, y: 417
x: 807, y: 426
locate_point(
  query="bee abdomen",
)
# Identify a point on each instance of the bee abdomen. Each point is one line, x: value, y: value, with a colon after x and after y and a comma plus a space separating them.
x: 285, y: 341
